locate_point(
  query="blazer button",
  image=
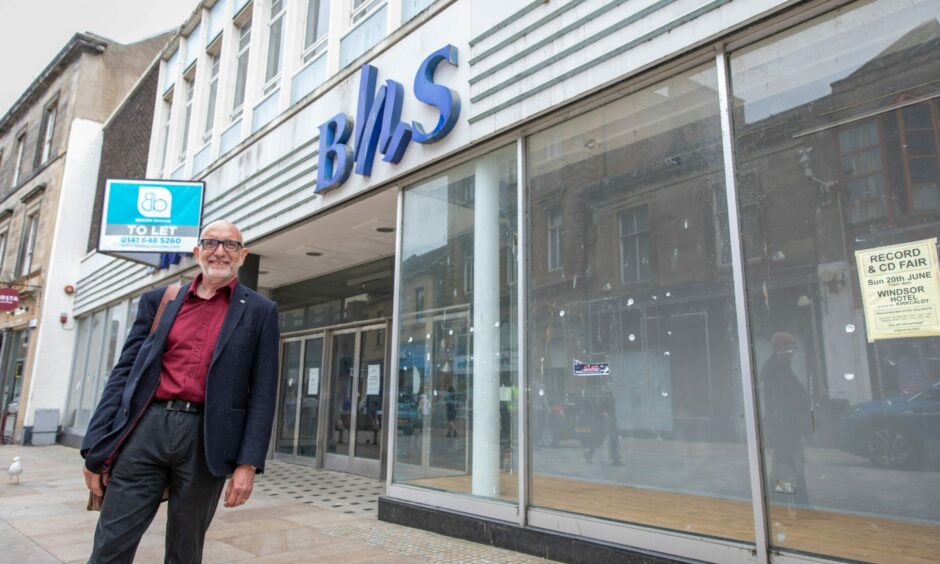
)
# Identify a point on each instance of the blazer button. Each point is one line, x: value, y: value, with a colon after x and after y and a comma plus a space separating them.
x: 125, y: 411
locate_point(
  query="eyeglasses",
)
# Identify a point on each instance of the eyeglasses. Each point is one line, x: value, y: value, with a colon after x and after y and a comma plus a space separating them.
x: 213, y: 244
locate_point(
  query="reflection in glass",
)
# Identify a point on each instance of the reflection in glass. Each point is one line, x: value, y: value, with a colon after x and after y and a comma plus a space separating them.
x: 310, y: 397
x: 342, y: 365
x: 457, y: 377
x: 290, y: 382
x: 636, y: 397
x: 836, y: 126
x: 371, y: 378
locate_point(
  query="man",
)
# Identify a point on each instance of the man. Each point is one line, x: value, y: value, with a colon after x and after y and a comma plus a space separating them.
x: 787, y: 419
x: 184, y: 407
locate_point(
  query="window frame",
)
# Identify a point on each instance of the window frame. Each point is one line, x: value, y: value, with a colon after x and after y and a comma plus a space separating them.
x: 242, y: 53
x: 189, y: 89
x: 47, y: 132
x: 167, y: 117
x: 554, y: 238
x: 4, y: 239
x: 358, y: 14
x: 906, y: 157
x: 20, y: 152
x: 272, y: 72
x: 312, y: 48
x: 888, y: 215
x: 212, y: 94
x: 28, y: 237
x: 635, y: 235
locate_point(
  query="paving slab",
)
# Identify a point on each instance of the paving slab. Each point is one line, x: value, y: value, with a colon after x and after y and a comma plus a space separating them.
x: 296, y: 514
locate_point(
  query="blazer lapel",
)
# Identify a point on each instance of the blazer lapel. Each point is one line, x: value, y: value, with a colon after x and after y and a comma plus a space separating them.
x: 236, y: 308
x: 166, y: 322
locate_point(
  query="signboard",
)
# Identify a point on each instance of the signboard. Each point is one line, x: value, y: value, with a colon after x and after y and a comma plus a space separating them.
x: 151, y: 216
x: 591, y: 368
x: 900, y: 290
x: 9, y: 299
x: 374, y: 381
x: 379, y: 127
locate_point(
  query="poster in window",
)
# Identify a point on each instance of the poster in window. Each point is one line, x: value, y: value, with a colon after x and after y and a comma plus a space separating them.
x: 900, y: 290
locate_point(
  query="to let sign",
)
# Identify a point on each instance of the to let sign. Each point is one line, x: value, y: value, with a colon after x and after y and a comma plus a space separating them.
x: 151, y: 216
x: 9, y: 299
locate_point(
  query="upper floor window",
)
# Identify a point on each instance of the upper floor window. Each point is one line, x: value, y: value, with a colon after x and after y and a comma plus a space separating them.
x: 635, y: 244
x: 46, y: 133
x: 918, y: 129
x: 361, y: 8
x: 863, y: 173
x: 3, y: 248
x: 555, y: 224
x: 167, y: 114
x: 187, y: 117
x: 317, y: 24
x: 28, y: 243
x: 18, y: 159
x: 213, y: 94
x: 241, y: 65
x: 275, y: 41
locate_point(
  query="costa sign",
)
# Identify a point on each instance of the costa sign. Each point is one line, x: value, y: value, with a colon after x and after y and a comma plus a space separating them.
x: 9, y: 299
x: 378, y: 125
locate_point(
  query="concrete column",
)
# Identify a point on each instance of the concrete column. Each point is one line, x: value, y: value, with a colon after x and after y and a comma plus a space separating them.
x: 248, y: 273
x: 486, y: 451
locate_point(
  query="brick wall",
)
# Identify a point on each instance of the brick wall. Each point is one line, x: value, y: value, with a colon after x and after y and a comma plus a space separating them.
x: 126, y: 143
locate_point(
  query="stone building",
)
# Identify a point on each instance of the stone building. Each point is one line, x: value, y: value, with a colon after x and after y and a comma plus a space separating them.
x: 50, y: 143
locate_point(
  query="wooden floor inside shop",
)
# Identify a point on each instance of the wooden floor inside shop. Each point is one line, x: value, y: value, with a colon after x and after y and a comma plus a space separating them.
x: 854, y: 537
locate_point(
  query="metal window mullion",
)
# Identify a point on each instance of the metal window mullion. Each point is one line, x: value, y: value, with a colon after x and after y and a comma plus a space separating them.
x: 754, y: 452
x: 391, y: 424
x: 521, y: 344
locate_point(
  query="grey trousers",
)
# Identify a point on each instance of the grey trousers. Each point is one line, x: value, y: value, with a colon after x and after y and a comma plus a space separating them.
x: 165, y: 449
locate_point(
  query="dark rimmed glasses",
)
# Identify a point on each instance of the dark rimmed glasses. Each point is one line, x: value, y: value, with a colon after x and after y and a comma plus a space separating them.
x: 213, y: 244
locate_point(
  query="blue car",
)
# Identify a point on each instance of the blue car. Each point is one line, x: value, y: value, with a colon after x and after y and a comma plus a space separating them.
x: 408, y: 418
x: 897, y: 432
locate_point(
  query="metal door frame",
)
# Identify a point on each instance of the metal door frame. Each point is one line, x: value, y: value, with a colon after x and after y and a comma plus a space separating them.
x: 350, y: 462
x: 293, y: 457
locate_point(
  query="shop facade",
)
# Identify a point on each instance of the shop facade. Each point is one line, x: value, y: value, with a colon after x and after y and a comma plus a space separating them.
x: 600, y: 294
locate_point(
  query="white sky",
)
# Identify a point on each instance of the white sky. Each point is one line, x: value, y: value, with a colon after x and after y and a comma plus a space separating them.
x: 33, y: 31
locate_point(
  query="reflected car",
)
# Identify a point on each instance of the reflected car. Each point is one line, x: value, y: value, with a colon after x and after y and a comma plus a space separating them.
x: 408, y: 418
x: 896, y: 432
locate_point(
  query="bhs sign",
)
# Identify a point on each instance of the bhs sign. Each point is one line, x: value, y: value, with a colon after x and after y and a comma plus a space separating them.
x: 378, y: 122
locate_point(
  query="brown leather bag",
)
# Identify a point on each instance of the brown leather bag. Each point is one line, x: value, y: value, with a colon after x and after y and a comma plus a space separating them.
x: 94, y: 500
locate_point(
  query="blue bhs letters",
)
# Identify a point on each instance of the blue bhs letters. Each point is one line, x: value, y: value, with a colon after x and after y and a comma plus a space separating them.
x: 378, y: 122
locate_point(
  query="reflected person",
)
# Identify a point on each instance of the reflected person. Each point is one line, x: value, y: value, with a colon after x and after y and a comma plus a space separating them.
x: 786, y: 421
x: 607, y: 420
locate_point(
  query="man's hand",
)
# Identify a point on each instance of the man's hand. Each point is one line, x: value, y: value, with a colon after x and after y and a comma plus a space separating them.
x: 95, y: 482
x: 240, y: 485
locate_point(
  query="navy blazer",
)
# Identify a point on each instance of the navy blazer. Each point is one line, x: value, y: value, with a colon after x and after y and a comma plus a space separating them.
x: 241, y: 386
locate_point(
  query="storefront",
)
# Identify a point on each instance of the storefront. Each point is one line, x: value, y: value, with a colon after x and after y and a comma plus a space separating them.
x: 698, y: 379
x: 611, y: 303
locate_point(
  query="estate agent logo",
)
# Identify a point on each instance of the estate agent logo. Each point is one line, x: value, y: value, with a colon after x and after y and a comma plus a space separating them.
x: 378, y: 122
x: 155, y: 202
x: 151, y: 216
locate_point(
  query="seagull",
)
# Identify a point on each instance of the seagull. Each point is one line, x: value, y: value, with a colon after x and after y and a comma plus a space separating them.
x: 15, y: 469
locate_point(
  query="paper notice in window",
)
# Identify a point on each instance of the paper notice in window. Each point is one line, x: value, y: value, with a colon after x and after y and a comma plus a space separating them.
x: 374, y: 381
x: 900, y: 290
x: 313, y: 381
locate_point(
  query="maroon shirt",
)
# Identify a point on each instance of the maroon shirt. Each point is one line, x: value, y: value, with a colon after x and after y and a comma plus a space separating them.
x: 191, y: 342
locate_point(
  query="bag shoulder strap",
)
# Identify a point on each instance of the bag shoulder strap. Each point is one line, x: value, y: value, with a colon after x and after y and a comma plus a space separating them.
x: 170, y: 294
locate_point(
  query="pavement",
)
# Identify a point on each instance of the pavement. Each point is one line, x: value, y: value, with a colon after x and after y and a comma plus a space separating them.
x: 295, y: 514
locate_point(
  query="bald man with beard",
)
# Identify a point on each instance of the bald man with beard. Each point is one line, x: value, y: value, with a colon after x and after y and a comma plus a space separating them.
x: 185, y: 406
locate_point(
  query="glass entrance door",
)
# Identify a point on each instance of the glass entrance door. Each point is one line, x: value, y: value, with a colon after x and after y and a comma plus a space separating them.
x: 357, y: 396
x: 299, y: 402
